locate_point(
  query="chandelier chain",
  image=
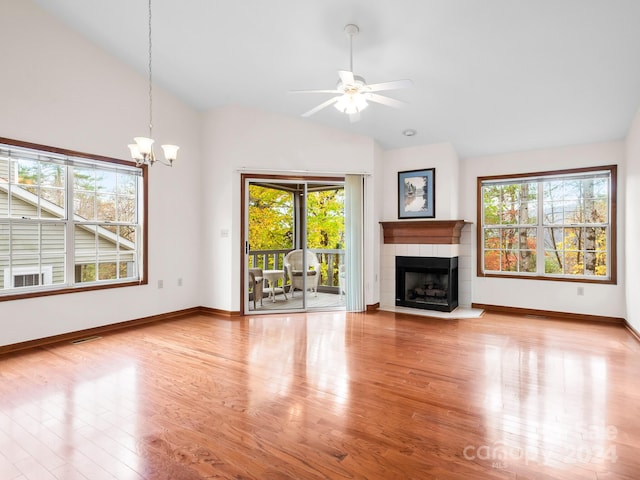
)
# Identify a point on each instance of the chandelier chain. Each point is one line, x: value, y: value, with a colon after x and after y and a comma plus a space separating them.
x: 142, y: 149
x: 150, y: 79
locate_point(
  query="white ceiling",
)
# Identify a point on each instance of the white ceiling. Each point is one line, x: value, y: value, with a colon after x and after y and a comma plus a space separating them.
x: 489, y: 76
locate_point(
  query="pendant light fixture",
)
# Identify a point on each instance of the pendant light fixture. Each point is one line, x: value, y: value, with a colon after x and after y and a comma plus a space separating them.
x: 142, y: 150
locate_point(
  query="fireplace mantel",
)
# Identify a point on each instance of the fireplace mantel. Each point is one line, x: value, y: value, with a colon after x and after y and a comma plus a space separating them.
x: 423, y: 231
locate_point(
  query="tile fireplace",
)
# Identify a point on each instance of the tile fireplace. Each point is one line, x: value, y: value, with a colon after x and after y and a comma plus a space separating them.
x: 445, y: 240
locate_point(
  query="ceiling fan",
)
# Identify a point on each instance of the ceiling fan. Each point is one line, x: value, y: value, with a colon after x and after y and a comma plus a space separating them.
x: 353, y: 93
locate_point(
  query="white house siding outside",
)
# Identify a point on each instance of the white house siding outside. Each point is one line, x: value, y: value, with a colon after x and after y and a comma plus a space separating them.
x: 44, y: 250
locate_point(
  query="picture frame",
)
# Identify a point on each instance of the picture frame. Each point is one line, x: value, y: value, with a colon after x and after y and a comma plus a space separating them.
x: 416, y: 193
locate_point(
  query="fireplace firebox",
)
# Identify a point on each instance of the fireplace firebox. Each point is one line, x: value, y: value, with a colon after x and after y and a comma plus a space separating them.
x: 430, y: 283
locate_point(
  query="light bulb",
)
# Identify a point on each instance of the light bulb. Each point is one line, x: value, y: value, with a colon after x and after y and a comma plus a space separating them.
x: 351, y: 103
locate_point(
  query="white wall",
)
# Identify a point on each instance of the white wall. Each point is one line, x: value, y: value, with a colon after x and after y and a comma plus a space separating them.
x: 603, y: 300
x: 236, y: 138
x: 63, y: 91
x: 444, y: 159
x: 60, y: 90
x: 440, y: 156
x: 632, y: 254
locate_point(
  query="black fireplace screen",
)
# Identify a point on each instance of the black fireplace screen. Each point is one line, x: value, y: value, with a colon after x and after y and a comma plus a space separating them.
x: 426, y: 287
x: 427, y: 282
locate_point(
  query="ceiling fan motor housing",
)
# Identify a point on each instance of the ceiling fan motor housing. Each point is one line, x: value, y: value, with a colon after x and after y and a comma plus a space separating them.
x: 357, y: 85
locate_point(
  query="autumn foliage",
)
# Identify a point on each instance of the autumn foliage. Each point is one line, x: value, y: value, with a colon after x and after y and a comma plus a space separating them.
x: 564, y: 220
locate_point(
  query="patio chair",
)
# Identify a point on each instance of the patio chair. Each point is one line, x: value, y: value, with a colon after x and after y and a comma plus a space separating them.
x: 255, y: 285
x: 293, y: 266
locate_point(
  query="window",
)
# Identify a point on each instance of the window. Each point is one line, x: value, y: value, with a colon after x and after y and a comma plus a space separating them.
x: 68, y: 221
x: 552, y: 225
x: 28, y: 276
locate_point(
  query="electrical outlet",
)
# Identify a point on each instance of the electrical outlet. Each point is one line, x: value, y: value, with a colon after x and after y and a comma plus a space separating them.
x: 180, y: 282
x: 160, y: 283
x: 581, y: 291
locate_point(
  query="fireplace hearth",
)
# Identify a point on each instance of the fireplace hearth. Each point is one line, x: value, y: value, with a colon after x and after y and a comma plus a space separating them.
x: 430, y: 283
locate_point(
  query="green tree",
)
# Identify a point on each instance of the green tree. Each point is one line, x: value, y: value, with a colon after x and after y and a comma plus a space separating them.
x: 271, y: 214
x: 325, y: 219
x: 325, y: 228
x: 512, y: 207
x: 272, y: 223
x: 580, y: 249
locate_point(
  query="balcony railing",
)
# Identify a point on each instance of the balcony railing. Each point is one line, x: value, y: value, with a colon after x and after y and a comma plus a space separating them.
x: 330, y: 261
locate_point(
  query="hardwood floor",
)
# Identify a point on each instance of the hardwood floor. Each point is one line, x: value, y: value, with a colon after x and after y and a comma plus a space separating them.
x: 327, y: 396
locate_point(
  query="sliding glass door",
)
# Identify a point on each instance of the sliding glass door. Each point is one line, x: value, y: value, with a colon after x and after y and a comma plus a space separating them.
x: 294, y: 244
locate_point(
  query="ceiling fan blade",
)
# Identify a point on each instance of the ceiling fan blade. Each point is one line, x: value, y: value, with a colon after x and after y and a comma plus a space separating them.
x: 315, y: 91
x: 389, y: 102
x: 346, y: 77
x: 395, y: 85
x: 354, y: 117
x: 320, y: 107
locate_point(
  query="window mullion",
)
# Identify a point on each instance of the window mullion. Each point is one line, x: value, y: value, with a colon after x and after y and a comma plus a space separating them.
x: 69, y: 229
x: 540, y: 231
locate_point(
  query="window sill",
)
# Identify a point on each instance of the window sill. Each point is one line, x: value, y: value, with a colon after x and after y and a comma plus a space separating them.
x: 63, y: 291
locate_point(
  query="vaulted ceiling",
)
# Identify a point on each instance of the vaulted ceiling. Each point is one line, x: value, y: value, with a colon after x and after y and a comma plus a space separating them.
x: 489, y: 76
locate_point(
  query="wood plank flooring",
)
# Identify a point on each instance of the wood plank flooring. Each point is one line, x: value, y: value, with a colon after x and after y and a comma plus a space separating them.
x: 327, y: 396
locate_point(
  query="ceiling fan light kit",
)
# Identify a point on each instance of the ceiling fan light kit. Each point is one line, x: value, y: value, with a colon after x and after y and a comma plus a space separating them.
x: 351, y: 103
x: 353, y: 92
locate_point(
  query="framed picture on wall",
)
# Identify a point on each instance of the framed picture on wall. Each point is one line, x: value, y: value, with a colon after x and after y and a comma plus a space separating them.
x: 417, y: 193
